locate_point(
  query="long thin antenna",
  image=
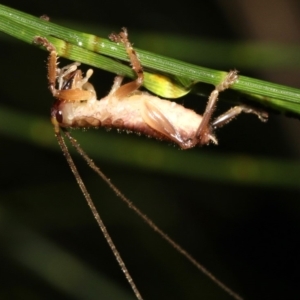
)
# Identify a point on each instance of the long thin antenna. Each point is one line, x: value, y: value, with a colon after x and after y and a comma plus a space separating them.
x: 95, y: 213
x: 182, y: 251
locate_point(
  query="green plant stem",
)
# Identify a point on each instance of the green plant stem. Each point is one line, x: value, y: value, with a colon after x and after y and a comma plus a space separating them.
x: 91, y: 49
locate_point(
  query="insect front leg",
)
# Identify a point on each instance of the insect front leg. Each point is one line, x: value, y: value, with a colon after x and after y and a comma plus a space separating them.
x: 52, y: 62
x: 71, y: 85
x: 54, y: 73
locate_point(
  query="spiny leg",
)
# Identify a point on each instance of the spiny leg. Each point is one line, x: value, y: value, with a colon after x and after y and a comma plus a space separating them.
x: 72, y: 87
x: 130, y: 87
x: 68, y: 78
x: 52, y: 62
x: 236, y: 110
x: 151, y: 115
x: 203, y: 133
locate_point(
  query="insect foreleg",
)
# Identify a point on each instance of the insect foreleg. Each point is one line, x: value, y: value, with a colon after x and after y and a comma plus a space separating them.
x: 52, y: 62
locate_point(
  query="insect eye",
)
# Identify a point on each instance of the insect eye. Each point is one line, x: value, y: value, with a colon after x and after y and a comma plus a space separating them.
x: 59, y: 116
x: 56, y: 114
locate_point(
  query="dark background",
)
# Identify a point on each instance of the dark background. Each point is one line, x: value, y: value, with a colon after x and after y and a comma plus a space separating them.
x: 246, y: 234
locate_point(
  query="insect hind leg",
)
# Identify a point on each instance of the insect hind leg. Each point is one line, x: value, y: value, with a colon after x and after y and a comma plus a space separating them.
x: 236, y: 110
x: 204, y: 132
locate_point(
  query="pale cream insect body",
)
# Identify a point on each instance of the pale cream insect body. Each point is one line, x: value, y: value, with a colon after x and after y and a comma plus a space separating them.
x: 126, y: 107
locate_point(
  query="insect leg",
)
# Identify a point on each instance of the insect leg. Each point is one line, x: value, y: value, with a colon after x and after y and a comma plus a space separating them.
x: 63, y: 72
x: 236, y: 110
x: 203, y: 133
x: 117, y: 84
x: 151, y: 115
x: 130, y: 87
x: 52, y: 62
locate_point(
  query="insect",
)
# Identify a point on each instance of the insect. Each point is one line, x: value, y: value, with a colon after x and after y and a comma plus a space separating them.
x: 125, y: 107
x: 128, y: 108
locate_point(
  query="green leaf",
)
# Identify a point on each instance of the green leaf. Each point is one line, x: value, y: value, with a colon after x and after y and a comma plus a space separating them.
x: 90, y: 49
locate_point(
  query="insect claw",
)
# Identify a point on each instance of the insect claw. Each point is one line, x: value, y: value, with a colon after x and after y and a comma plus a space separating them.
x: 229, y: 80
x: 44, y: 42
